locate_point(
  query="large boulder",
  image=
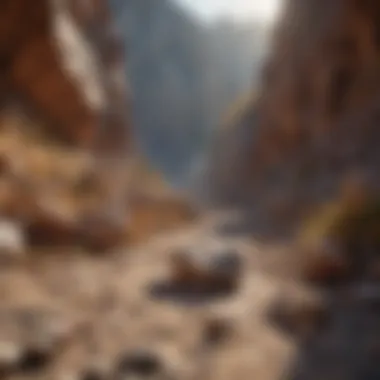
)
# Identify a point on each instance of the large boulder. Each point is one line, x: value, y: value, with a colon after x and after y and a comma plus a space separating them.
x: 207, y: 266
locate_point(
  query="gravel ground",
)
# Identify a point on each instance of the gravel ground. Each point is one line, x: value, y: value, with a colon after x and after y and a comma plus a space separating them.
x: 94, y: 312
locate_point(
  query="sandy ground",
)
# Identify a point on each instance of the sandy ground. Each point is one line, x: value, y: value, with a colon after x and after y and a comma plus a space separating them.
x: 105, y: 307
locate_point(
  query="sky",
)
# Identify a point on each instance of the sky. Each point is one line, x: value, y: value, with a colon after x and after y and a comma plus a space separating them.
x: 264, y: 10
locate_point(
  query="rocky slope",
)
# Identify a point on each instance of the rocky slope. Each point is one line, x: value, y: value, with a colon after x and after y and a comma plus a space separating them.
x: 64, y: 81
x: 63, y: 73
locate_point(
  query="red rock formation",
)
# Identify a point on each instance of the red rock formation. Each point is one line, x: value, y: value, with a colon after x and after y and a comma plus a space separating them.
x: 316, y: 119
x: 63, y: 59
x: 63, y: 62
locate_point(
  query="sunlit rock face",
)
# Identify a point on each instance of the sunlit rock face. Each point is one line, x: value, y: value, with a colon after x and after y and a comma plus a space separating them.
x: 316, y: 119
x: 62, y: 59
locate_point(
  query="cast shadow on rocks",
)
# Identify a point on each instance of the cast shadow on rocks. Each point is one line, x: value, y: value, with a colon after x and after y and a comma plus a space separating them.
x: 258, y: 228
x: 188, y: 294
x: 336, y: 334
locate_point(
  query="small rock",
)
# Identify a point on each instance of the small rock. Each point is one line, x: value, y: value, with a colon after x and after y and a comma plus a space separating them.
x: 43, y: 333
x: 325, y: 263
x: 50, y: 227
x: 140, y: 364
x: 299, y: 314
x: 34, y: 359
x: 215, y: 268
x: 217, y: 331
x: 92, y: 374
x: 12, y: 241
x: 98, y: 368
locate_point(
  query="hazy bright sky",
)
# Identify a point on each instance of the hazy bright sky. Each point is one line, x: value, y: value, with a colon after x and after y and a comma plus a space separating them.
x: 261, y: 9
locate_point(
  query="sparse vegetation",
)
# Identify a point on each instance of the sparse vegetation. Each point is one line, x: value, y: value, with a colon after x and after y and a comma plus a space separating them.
x: 351, y: 218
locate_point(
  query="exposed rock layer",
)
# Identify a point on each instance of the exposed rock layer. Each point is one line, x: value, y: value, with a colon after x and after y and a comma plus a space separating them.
x: 62, y: 58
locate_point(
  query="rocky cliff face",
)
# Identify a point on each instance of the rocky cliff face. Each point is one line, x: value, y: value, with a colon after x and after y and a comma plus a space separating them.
x: 62, y: 64
x: 62, y: 59
x: 316, y: 120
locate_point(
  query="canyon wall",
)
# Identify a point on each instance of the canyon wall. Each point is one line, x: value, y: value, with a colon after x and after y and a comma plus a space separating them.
x: 314, y: 125
x: 62, y: 60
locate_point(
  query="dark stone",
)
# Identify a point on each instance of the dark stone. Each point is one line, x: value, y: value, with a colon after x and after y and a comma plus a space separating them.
x: 92, y: 374
x: 216, y: 331
x: 140, y: 363
x: 207, y: 267
x: 34, y: 360
x: 299, y: 316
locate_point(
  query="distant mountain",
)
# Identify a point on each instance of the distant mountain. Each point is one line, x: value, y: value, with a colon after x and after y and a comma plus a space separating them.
x: 183, y: 76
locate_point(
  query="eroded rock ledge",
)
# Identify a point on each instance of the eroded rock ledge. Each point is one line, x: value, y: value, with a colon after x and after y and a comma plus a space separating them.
x: 63, y: 59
